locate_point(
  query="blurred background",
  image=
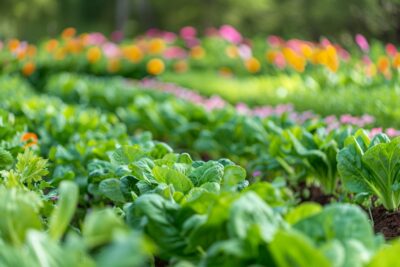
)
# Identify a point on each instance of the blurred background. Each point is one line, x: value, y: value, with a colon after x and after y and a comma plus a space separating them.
x: 338, y: 19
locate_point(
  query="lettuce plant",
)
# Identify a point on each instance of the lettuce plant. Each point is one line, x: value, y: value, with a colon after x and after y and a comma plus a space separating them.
x: 372, y: 166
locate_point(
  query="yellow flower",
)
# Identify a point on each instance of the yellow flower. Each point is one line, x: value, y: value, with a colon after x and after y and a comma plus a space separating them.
x: 155, y: 66
x: 306, y: 50
x: 197, y: 52
x: 156, y: 46
x: 132, y: 53
x: 332, y: 60
x: 93, y: 54
x: 295, y: 61
x: 28, y: 69
x: 253, y: 65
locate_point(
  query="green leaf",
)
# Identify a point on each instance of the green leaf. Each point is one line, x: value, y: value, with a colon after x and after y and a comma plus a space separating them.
x: 30, y: 167
x: 386, y: 256
x: 65, y: 209
x: 6, y: 159
x: 290, y: 249
x: 111, y: 188
x: 99, y: 226
x: 302, y: 211
x: 211, y: 171
x: 340, y: 222
x: 171, y: 176
x: 127, y: 154
x: 233, y: 175
x: 248, y: 212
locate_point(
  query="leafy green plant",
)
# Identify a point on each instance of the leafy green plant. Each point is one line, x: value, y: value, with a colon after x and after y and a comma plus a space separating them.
x: 372, y: 166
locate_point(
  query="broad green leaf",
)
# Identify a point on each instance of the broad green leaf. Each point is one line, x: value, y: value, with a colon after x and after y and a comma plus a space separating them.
x: 111, y: 188
x: 302, y: 211
x: 171, y: 176
x: 250, y: 211
x: 290, y: 249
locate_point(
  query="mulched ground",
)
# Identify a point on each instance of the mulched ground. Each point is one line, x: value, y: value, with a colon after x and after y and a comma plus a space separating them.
x: 385, y: 222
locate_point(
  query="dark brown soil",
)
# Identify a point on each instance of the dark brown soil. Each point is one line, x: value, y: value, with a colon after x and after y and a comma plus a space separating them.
x: 385, y: 222
x: 313, y: 193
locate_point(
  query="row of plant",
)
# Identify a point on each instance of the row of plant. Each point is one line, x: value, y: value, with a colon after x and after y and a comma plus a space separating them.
x: 105, y: 197
x: 222, y: 50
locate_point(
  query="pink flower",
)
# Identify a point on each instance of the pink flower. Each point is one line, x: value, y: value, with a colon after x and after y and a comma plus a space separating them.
x: 153, y: 32
x: 344, y: 54
x: 191, y: 42
x: 325, y: 42
x: 242, y: 108
x: 211, y: 31
x: 169, y: 37
x: 274, y: 41
x: 362, y: 42
x: 96, y: 38
x: 280, y: 61
x: 188, y: 32
x: 330, y: 119
x: 392, y: 132
x: 244, y: 51
x: 230, y: 34
x: 111, y: 50
x: 391, y: 50
x: 174, y: 52
x: 375, y: 131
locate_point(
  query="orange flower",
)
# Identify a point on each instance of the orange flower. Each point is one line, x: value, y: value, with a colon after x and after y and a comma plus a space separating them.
x: 252, y: 65
x: 113, y: 65
x: 30, y: 139
x: 93, y: 54
x: 68, y: 33
x: 155, y: 66
x: 132, y: 53
x: 383, y: 64
x: 156, y: 46
x: 197, y: 52
x: 28, y: 69
x: 13, y: 45
x: 51, y: 45
x: 181, y: 66
x: 73, y: 46
x: 396, y: 61
x: 31, y: 51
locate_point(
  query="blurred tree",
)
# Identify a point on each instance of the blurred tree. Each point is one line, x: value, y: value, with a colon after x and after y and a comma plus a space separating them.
x: 33, y: 19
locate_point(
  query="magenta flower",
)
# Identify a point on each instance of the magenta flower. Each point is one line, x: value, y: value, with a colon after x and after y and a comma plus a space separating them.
x: 362, y: 42
x: 280, y: 61
x: 169, y: 37
x: 391, y: 50
x: 230, y: 34
x: 188, y: 32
